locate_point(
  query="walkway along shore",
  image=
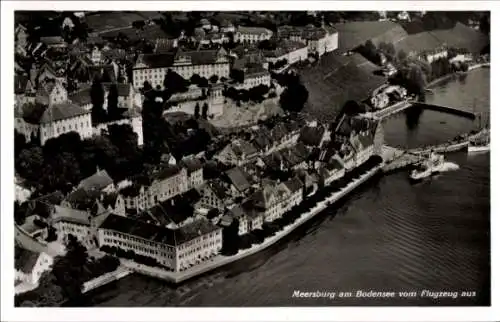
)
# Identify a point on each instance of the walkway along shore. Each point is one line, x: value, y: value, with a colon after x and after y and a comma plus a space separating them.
x: 220, y: 260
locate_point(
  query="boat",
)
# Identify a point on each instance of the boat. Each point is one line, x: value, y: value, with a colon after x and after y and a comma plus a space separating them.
x: 427, y: 168
x: 482, y: 144
x: 478, y: 148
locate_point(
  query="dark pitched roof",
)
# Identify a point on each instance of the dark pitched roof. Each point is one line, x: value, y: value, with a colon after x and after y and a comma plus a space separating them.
x: 52, y: 40
x: 262, y: 139
x: 97, y: 181
x: 81, y: 97
x: 166, y: 172
x: 311, y: 135
x: 334, y: 164
x: 238, y: 178
x: 83, y: 199
x: 123, y: 89
x: 25, y: 260
x: 39, y: 113
x: 253, y: 30
x: 140, y: 229
x: 70, y: 215
x: 20, y: 82
x: 202, y: 57
x: 241, y: 147
x: 293, y: 184
x: 192, y: 164
x: 131, y: 191
x: 176, y: 209
x: 158, y: 234
x: 109, y: 199
x: 218, y: 188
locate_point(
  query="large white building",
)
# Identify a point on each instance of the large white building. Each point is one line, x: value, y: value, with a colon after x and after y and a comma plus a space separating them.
x: 154, y: 67
x: 176, y: 249
x: 164, y: 184
x: 128, y: 97
x: 291, y: 51
x: 319, y: 40
x: 51, y: 114
x: 273, y: 200
x: 68, y: 221
x: 251, y: 34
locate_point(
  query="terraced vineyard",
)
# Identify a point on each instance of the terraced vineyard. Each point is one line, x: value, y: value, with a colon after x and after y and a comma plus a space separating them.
x: 337, y: 79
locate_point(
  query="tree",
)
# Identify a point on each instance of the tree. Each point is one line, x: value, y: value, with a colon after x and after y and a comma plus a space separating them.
x: 294, y: 96
x: 30, y: 163
x: 97, y: 99
x: 70, y: 269
x: 402, y: 55
x: 213, y: 79
x: 138, y: 24
x: 484, y: 23
x: 175, y: 83
x: 146, y: 87
x: 197, y: 111
x: 195, y: 79
x: 113, y: 101
x: 204, y: 111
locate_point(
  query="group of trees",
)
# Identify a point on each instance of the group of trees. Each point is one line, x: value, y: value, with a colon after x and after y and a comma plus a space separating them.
x: 204, y: 111
x: 295, y: 95
x: 254, y: 94
x: 98, y: 98
x: 199, y: 81
x: 278, y: 64
x: 64, y: 161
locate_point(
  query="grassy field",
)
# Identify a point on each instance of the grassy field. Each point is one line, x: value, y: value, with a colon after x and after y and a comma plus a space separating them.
x: 459, y: 36
x: 462, y: 36
x: 353, y: 34
x: 337, y: 79
x: 102, y: 21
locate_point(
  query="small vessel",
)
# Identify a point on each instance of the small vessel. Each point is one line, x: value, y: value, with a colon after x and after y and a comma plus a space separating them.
x: 481, y: 144
x: 428, y: 167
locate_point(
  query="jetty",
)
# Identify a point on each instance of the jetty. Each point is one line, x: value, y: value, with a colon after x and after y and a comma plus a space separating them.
x: 445, y: 109
x: 403, y: 105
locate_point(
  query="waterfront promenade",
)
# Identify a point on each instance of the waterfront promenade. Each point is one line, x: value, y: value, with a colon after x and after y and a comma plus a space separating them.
x: 220, y: 260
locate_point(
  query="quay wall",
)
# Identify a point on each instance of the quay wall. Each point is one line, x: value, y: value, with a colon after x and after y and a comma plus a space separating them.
x: 219, y: 260
x: 446, y: 109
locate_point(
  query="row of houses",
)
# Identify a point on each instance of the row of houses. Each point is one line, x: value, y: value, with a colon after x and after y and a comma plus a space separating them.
x: 169, y: 218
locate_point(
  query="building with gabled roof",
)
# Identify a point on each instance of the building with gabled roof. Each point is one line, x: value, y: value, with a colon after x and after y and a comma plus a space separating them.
x: 290, y: 51
x: 215, y: 195
x: 68, y: 221
x: 154, y: 67
x: 194, y: 171
x: 175, y: 249
x: 52, y: 114
x: 29, y: 265
x: 246, y: 34
x: 161, y: 185
x: 239, y: 181
x: 100, y: 181
x: 238, y: 152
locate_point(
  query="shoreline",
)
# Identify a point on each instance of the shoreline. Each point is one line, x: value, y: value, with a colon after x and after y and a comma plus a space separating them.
x: 445, y: 77
x: 220, y: 260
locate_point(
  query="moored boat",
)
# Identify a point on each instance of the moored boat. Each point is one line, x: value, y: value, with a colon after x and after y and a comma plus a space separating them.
x: 428, y: 167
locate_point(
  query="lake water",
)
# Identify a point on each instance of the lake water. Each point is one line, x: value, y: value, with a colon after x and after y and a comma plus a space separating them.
x: 388, y: 235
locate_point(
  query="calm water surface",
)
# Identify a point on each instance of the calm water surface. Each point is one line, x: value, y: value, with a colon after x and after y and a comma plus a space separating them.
x: 388, y: 235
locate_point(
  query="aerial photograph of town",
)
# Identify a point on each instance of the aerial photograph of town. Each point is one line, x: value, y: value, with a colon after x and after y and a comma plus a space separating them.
x: 251, y: 158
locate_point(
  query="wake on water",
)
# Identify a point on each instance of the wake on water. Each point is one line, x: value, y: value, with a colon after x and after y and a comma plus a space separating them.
x: 449, y: 166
